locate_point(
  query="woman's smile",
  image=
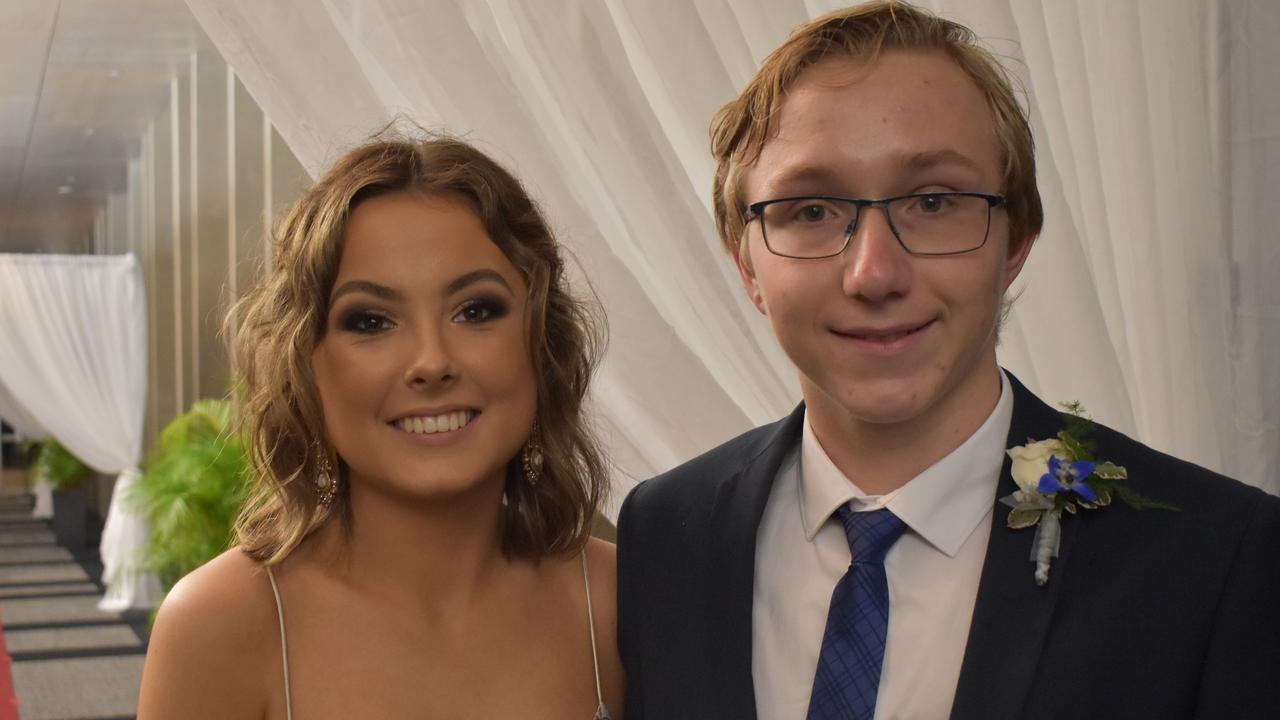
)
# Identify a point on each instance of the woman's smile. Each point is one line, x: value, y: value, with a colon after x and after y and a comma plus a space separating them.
x: 436, y: 428
x: 424, y: 351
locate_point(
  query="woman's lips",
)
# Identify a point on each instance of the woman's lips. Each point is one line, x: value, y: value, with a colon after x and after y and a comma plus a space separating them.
x: 435, y: 428
x: 436, y: 422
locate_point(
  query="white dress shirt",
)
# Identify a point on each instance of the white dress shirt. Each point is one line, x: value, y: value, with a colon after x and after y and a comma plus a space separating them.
x: 933, y: 572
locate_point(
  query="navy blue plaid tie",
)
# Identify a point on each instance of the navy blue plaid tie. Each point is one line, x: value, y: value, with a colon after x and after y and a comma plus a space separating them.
x: 848, y: 676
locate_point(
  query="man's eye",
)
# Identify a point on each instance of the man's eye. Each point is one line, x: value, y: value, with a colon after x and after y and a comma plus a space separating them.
x: 479, y: 311
x: 364, y: 321
x: 931, y: 203
x: 814, y: 213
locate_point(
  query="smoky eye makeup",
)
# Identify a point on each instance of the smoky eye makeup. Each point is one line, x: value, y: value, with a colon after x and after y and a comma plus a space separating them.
x: 362, y: 320
x: 483, y: 308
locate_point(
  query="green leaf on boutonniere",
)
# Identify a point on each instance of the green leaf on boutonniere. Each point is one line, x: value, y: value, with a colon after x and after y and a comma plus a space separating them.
x: 1138, y: 501
x: 1076, y: 437
x: 1110, y: 471
x: 1075, y: 450
x: 1024, y: 517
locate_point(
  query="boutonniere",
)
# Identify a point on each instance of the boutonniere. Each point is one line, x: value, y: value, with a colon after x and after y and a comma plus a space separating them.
x: 1060, y: 475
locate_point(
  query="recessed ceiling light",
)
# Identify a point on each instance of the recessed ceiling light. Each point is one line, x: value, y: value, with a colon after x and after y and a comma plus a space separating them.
x: 65, y: 189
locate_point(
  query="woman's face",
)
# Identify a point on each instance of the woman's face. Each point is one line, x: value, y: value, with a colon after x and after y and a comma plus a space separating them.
x: 423, y: 369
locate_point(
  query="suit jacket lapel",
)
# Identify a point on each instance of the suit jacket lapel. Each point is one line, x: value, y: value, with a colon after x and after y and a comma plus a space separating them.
x: 734, y: 522
x: 1012, y: 615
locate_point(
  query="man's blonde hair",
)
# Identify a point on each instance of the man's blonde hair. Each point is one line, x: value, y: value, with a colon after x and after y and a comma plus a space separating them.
x: 742, y: 127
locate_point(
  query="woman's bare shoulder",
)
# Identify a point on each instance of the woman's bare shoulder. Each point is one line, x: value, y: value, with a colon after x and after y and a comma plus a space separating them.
x: 231, y: 578
x: 227, y: 601
x: 213, y: 643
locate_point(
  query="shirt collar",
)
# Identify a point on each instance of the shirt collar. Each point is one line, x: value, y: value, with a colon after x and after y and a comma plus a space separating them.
x: 943, y: 504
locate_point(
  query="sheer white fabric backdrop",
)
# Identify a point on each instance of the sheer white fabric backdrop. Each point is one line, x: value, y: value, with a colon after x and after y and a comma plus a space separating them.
x: 1147, y: 298
x: 74, y: 360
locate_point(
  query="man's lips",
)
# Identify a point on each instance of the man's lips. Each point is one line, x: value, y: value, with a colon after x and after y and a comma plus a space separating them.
x: 883, y: 340
x: 886, y: 334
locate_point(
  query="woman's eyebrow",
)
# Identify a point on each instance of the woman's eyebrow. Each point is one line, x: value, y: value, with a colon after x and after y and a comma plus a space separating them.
x: 364, y: 286
x: 475, y: 276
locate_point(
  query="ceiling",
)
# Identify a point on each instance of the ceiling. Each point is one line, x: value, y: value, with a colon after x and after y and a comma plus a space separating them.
x: 79, y: 80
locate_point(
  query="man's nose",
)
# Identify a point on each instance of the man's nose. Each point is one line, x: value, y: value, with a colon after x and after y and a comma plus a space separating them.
x: 877, y: 266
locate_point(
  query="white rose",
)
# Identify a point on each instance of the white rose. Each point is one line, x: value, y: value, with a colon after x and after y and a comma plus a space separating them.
x: 1031, y: 462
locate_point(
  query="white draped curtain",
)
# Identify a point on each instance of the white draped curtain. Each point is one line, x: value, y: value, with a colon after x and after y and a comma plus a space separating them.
x: 73, y: 350
x: 1151, y: 296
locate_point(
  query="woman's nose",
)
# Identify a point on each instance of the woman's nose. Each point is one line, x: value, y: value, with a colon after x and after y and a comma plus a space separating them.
x: 430, y: 362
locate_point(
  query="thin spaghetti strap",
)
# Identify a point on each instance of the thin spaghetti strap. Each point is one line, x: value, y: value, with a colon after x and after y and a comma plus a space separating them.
x: 601, y: 711
x: 284, y: 645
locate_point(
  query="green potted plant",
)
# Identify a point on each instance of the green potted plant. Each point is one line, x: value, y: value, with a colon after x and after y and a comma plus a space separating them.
x: 192, y: 488
x: 67, y: 474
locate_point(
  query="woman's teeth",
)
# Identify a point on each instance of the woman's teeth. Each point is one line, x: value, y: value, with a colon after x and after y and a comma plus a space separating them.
x: 427, y: 424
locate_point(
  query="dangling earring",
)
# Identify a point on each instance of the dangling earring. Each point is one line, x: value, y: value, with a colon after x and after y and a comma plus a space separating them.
x: 531, y: 459
x: 326, y: 483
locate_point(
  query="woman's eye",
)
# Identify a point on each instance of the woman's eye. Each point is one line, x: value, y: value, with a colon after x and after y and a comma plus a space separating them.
x: 364, y: 321
x: 479, y: 311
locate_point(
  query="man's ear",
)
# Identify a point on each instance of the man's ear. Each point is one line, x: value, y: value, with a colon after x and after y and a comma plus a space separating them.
x: 748, y: 275
x: 1016, y: 258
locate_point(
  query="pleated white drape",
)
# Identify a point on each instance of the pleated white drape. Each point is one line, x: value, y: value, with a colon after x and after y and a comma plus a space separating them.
x: 73, y: 359
x: 1151, y: 297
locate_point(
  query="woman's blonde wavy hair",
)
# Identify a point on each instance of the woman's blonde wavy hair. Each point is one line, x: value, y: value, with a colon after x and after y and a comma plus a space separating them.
x: 281, y: 320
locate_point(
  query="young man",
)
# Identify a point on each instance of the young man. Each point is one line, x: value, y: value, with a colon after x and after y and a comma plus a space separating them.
x: 876, y: 187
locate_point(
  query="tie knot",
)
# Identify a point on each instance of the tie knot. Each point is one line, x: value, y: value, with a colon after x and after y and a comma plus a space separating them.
x: 870, y: 534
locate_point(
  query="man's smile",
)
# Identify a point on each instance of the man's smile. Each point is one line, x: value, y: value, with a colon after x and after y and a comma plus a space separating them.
x: 888, y: 339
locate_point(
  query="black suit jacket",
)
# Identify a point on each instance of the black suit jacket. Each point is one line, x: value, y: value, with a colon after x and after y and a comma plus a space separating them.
x: 1152, y: 614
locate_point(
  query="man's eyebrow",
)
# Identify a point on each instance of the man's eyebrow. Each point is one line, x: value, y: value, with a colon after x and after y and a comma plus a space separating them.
x: 825, y: 175
x: 475, y: 276
x: 934, y: 158
x: 789, y: 179
x: 364, y: 286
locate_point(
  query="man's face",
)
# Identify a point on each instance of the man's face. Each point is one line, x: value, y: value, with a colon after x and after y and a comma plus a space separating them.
x: 879, y: 335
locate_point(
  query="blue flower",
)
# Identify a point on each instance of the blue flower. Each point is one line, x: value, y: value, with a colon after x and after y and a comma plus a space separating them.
x: 1069, y: 477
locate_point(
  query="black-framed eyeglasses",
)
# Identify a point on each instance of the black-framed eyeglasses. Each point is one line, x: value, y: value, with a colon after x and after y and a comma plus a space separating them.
x: 821, y: 226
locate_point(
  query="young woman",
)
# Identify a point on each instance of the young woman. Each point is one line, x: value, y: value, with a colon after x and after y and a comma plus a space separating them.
x: 414, y: 369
